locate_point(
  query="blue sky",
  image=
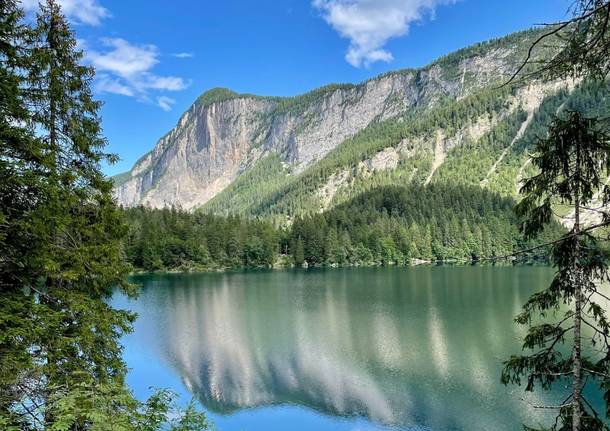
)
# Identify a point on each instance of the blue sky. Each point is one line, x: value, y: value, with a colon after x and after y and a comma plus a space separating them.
x: 154, y: 57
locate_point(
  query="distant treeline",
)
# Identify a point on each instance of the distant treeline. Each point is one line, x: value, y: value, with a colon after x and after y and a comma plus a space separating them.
x: 386, y: 226
x: 173, y: 239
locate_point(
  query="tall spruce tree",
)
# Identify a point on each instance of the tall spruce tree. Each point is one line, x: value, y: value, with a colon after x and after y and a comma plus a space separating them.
x: 60, y: 244
x: 571, y: 161
x: 78, y: 221
x: 567, y: 338
x: 19, y: 184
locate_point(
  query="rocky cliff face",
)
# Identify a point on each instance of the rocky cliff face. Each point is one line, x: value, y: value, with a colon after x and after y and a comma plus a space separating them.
x: 224, y: 133
x: 198, y: 158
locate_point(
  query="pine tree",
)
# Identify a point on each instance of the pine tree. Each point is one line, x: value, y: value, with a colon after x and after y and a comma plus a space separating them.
x: 299, y: 252
x: 236, y: 250
x: 331, y: 247
x: 20, y: 185
x: 572, y: 162
x: 60, y: 238
x: 75, y: 218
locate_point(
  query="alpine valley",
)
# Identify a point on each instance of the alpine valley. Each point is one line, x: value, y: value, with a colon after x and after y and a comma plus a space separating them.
x: 450, y: 122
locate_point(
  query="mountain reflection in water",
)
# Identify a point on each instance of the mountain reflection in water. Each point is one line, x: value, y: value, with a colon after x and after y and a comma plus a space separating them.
x: 400, y: 347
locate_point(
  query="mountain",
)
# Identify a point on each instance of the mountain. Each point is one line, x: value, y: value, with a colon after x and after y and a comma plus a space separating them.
x: 450, y: 122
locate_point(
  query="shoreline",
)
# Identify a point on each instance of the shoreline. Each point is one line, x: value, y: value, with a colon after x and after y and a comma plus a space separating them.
x: 279, y: 267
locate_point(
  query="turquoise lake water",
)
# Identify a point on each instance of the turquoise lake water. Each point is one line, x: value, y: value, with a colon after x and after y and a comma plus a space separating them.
x: 339, y: 349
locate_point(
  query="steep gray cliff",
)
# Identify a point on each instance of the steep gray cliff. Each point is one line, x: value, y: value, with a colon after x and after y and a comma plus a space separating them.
x: 224, y: 133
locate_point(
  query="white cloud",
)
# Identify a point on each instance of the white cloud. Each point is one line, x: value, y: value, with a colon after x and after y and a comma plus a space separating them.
x: 169, y: 83
x: 165, y: 103
x: 124, y: 59
x: 370, y: 24
x: 122, y: 68
x: 108, y: 84
x: 183, y: 55
x: 126, y: 69
x: 80, y: 11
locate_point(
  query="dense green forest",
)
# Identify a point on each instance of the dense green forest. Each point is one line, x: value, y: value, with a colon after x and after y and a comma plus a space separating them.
x: 393, y: 225
x: 174, y: 239
x: 387, y: 226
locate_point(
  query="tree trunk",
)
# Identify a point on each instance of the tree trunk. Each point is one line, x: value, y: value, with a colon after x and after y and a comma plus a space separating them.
x: 51, y: 42
x: 52, y: 46
x: 576, y: 352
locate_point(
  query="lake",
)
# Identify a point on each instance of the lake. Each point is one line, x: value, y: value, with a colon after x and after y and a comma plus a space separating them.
x: 339, y: 349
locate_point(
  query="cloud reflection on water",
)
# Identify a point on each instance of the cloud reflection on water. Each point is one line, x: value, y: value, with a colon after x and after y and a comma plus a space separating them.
x: 399, y: 347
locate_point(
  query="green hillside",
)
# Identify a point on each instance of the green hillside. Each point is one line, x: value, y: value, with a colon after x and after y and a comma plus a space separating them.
x: 269, y: 189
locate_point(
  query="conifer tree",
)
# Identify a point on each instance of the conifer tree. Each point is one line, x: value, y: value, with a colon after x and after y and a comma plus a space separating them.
x: 573, y: 162
x: 20, y: 161
x: 60, y: 239
x: 331, y: 247
x: 299, y: 252
x: 79, y: 221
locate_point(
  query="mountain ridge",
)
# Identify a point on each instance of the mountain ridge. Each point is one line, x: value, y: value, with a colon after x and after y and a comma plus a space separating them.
x: 222, y: 137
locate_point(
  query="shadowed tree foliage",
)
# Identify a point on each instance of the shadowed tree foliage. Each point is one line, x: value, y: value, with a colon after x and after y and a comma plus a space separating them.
x: 18, y: 158
x: 567, y: 338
